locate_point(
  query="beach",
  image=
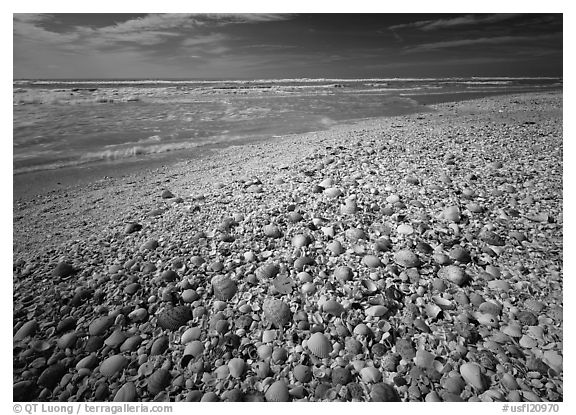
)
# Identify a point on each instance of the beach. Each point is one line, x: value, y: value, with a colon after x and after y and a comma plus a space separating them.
x: 414, y: 257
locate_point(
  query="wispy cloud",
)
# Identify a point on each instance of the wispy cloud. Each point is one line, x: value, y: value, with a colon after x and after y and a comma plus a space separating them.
x: 467, y: 20
x: 497, y: 40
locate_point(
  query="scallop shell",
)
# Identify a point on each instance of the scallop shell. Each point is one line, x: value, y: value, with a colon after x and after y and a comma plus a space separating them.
x: 267, y: 271
x: 371, y: 261
x: 277, y: 312
x: 300, y: 240
x: 174, y: 317
x: 370, y: 374
x: 335, y: 247
x: 406, y: 258
x: 302, y: 373
x: 27, y: 329
x: 343, y: 273
x: 113, y: 365
x: 224, y: 288
x: 453, y: 273
x: 319, y: 345
x: 333, y: 307
x: 158, y: 381
x: 236, y: 367
x: 126, y: 393
x: 382, y: 245
x: 100, y: 325
x: 362, y: 329
x: 51, y: 375
x: 272, y: 231
x: 277, y: 392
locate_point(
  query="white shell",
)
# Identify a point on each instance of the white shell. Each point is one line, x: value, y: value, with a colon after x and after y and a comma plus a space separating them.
x: 319, y: 345
x: 370, y: 374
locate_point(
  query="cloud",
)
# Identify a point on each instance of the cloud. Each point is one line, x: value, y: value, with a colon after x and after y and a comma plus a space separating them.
x: 497, y: 40
x: 467, y: 20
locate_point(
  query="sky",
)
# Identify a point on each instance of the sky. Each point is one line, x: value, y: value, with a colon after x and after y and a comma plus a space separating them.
x: 280, y: 45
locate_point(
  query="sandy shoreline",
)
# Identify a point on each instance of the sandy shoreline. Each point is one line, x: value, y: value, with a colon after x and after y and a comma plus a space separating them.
x: 430, y: 161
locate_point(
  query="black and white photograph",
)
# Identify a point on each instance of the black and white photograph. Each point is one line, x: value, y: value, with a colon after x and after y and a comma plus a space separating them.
x: 287, y: 207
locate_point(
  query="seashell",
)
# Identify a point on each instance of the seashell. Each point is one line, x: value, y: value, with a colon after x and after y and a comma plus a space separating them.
x: 277, y: 312
x: 370, y: 374
x: 343, y: 273
x: 451, y: 213
x: 453, y: 273
x: 534, y: 306
x: 51, y: 376
x: 355, y: 234
x: 443, y: 303
x: 454, y: 384
x: 89, y: 362
x: 67, y: 341
x: 393, y: 198
x: 319, y: 345
x: 192, y: 333
x: 27, y: 329
x: 473, y: 376
x: 113, y: 365
x: 371, y: 261
x: 100, y: 325
x: 277, y: 392
x: 501, y: 285
x: 333, y: 192
x: 486, y: 319
x: 138, y: 315
x: 159, y: 346
x: 491, y: 238
x: 149, y: 245
x: 224, y: 288
x: 349, y: 207
x: 527, y: 318
x: 512, y: 330
x: 383, y: 245
x: 300, y: 240
x: 341, y: 376
x: 405, y: 349
x: 158, y: 381
x: 406, y: 258
x: 553, y: 360
x: 174, y: 317
x: 236, y: 367
x: 131, y: 343
x: 362, y: 329
x: 376, y: 311
x: 132, y: 227
x: 210, y: 397
x: 272, y: 231
x: 195, y: 348
x: 308, y: 288
x: 404, y: 229
x: 527, y: 342
x: 509, y: 381
x: 115, y: 339
x: 283, y: 283
x: 261, y: 369
x: 169, y: 276
x: 424, y: 359
x: 352, y: 345
x: 433, y: 310
x: 490, y: 307
x: 267, y: 271
x: 189, y: 296
x: 68, y: 323
x: 333, y: 307
x: 335, y: 247
x: 302, y: 373
x: 126, y: 393
x: 93, y: 344
x: 382, y: 392
x: 460, y: 254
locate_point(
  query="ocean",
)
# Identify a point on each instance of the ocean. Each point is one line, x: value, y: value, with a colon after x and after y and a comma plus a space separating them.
x: 75, y: 124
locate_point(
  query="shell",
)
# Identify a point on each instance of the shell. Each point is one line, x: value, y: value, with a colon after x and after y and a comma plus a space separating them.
x: 473, y: 376
x: 349, y: 207
x: 267, y: 271
x: 406, y: 258
x: 451, y: 213
x: 308, y: 288
x: 443, y: 303
x: 370, y: 374
x: 261, y: 369
x: 453, y: 273
x: 192, y: 333
x: 93, y: 344
x: 404, y: 229
x: 424, y: 359
x: 27, y: 329
x: 126, y: 393
x: 89, y: 362
x: 341, y: 376
x: 131, y: 343
x: 491, y: 238
x: 527, y: 318
x: 355, y: 234
x: 224, y: 288
x: 534, y: 306
x: 376, y: 311
x: 195, y: 348
x: 189, y: 296
x: 333, y: 307
x: 113, y: 365
x: 138, y: 315
x: 277, y: 312
x: 174, y: 317
x: 51, y: 375
x: 158, y: 381
x: 333, y: 192
x: 371, y: 261
x: 302, y: 373
x: 159, y: 346
x: 405, y: 349
x: 319, y: 345
x: 63, y: 270
x: 335, y: 247
x: 382, y: 245
x: 236, y: 367
x: 100, y: 325
x: 343, y: 273
x: 460, y: 254
x: 362, y: 329
x: 277, y: 392
x: 300, y: 240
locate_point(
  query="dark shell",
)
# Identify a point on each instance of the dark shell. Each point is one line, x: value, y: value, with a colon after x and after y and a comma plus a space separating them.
x: 100, y: 325
x: 224, y: 288
x: 382, y: 392
x: 355, y: 391
x: 169, y: 276
x: 127, y: 393
x: 22, y: 391
x: 159, y: 346
x: 51, y: 375
x: 341, y: 376
x: 63, y: 270
x: 302, y: 373
x: 268, y: 271
x: 174, y: 317
x: 527, y: 318
x: 158, y: 381
x: 277, y: 312
x: 491, y: 238
x: 94, y: 343
x: 132, y: 227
